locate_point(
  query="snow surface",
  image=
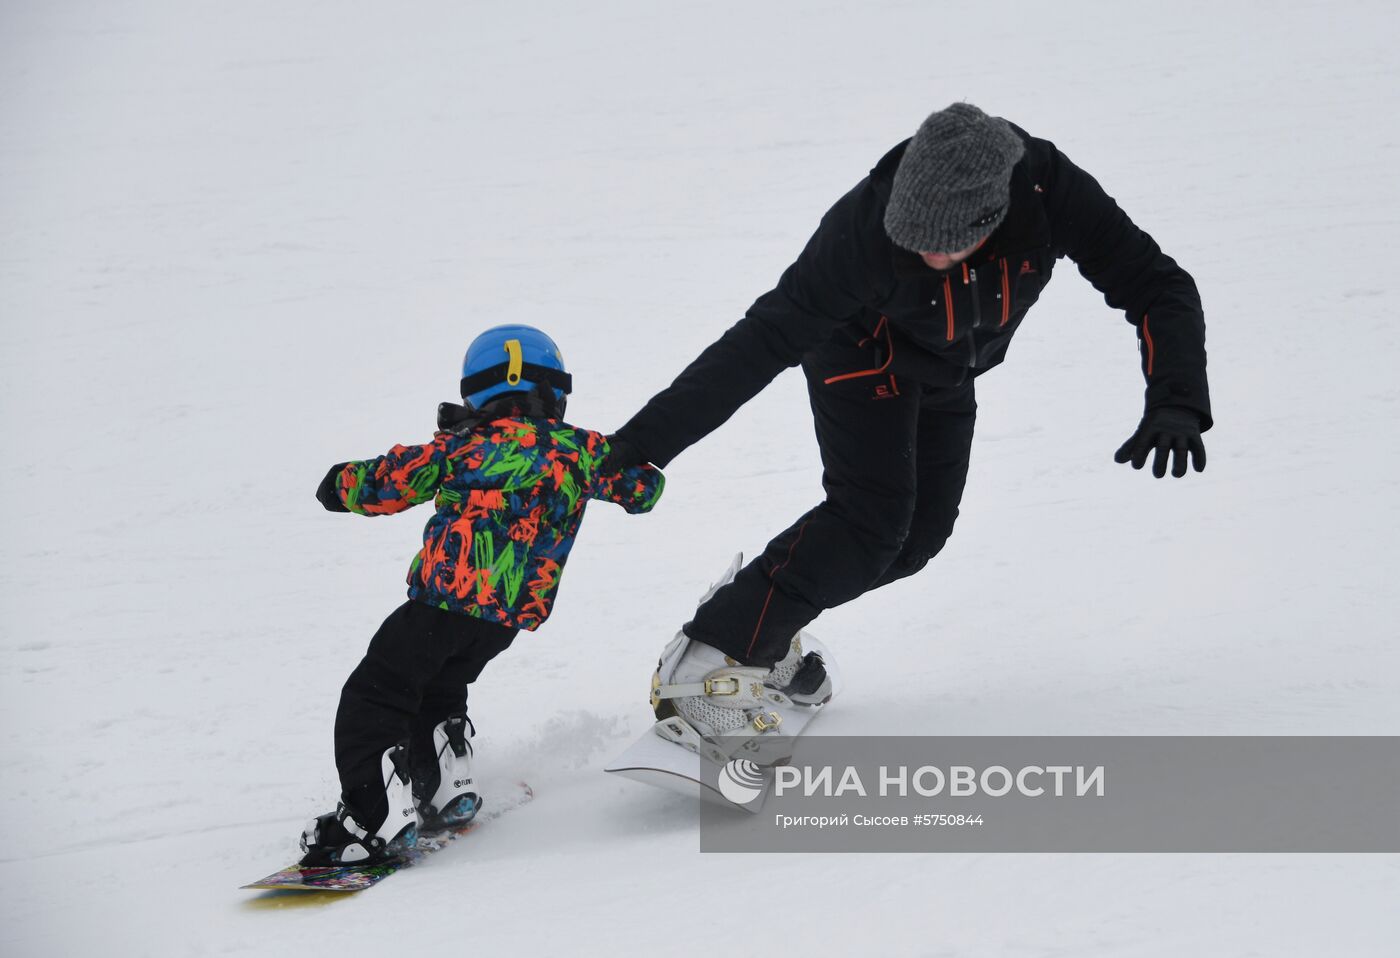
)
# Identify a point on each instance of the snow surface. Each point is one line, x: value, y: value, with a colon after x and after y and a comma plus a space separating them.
x: 241, y: 241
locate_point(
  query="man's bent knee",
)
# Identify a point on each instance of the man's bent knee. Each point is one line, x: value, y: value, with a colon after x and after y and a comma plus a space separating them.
x: 844, y: 573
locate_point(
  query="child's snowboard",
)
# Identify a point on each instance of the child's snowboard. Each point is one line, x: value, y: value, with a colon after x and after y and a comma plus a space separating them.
x: 347, y: 878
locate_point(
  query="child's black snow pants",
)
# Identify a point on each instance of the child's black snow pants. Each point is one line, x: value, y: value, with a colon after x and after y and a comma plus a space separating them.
x: 414, y: 675
x: 895, y: 456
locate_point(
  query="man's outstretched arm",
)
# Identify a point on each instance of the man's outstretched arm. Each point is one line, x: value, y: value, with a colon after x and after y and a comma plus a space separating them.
x: 817, y: 293
x: 1161, y: 301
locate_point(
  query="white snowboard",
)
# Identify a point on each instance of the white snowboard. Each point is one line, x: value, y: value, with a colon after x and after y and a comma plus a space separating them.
x: 656, y: 758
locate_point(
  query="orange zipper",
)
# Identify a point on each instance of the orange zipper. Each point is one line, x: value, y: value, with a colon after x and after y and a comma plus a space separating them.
x: 948, y: 304
x: 1147, y: 338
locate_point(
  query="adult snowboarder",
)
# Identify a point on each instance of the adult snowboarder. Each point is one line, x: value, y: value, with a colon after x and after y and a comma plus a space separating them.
x: 911, y: 288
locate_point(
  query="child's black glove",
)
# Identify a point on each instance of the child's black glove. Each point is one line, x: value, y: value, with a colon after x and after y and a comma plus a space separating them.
x: 328, y: 492
x: 1173, y: 432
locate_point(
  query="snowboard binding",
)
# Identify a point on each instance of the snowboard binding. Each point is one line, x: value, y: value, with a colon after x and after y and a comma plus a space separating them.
x: 736, y: 711
x: 445, y: 792
x: 345, y: 836
x: 711, y: 710
x: 700, y: 695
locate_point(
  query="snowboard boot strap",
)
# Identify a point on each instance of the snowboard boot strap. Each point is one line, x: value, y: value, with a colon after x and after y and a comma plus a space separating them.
x: 732, y: 688
x: 455, y: 728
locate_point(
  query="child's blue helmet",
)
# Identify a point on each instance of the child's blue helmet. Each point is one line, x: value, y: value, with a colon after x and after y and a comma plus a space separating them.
x: 514, y: 358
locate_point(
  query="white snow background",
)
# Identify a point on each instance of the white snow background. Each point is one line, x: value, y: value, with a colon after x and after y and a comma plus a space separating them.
x: 242, y: 241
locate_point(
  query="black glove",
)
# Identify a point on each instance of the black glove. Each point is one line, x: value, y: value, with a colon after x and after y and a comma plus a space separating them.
x: 328, y: 492
x: 1169, y: 430
x: 622, y: 454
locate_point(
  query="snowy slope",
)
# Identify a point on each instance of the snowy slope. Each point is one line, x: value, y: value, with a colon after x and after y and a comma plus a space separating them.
x: 239, y: 242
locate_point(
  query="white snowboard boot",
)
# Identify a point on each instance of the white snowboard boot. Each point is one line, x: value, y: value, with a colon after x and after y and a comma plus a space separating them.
x: 710, y: 704
x: 446, y: 795
x: 340, y: 838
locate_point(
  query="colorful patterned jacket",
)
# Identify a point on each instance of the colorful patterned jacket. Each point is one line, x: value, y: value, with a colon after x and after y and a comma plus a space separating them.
x: 510, y: 496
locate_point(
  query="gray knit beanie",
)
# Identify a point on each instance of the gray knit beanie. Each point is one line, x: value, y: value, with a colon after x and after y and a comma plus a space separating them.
x: 953, y: 184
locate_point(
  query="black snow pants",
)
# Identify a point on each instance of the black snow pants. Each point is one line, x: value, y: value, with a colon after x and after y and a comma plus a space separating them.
x: 414, y: 675
x: 895, y: 456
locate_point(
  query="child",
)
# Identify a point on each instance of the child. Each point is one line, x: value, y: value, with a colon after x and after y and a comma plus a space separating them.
x: 510, y: 481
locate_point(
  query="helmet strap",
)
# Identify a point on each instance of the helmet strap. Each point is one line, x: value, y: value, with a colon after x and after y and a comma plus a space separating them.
x: 499, y: 373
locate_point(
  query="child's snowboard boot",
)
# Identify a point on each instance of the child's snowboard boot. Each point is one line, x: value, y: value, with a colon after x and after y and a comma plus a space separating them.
x: 349, y: 837
x: 445, y: 791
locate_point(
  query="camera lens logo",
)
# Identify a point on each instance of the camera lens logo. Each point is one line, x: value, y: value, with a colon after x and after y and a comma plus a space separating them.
x: 741, y: 781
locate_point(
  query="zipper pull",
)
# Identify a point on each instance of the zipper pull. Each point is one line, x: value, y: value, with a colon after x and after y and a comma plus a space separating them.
x: 976, y: 298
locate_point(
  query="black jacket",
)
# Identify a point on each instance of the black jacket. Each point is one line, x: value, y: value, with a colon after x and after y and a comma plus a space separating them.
x: 852, y: 281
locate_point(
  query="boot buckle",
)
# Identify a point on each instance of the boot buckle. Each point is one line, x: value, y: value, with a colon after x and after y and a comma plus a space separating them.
x: 766, y: 720
x: 712, y: 686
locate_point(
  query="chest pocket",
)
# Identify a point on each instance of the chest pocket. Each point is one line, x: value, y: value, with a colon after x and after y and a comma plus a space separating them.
x: 1024, y: 277
x: 966, y: 315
